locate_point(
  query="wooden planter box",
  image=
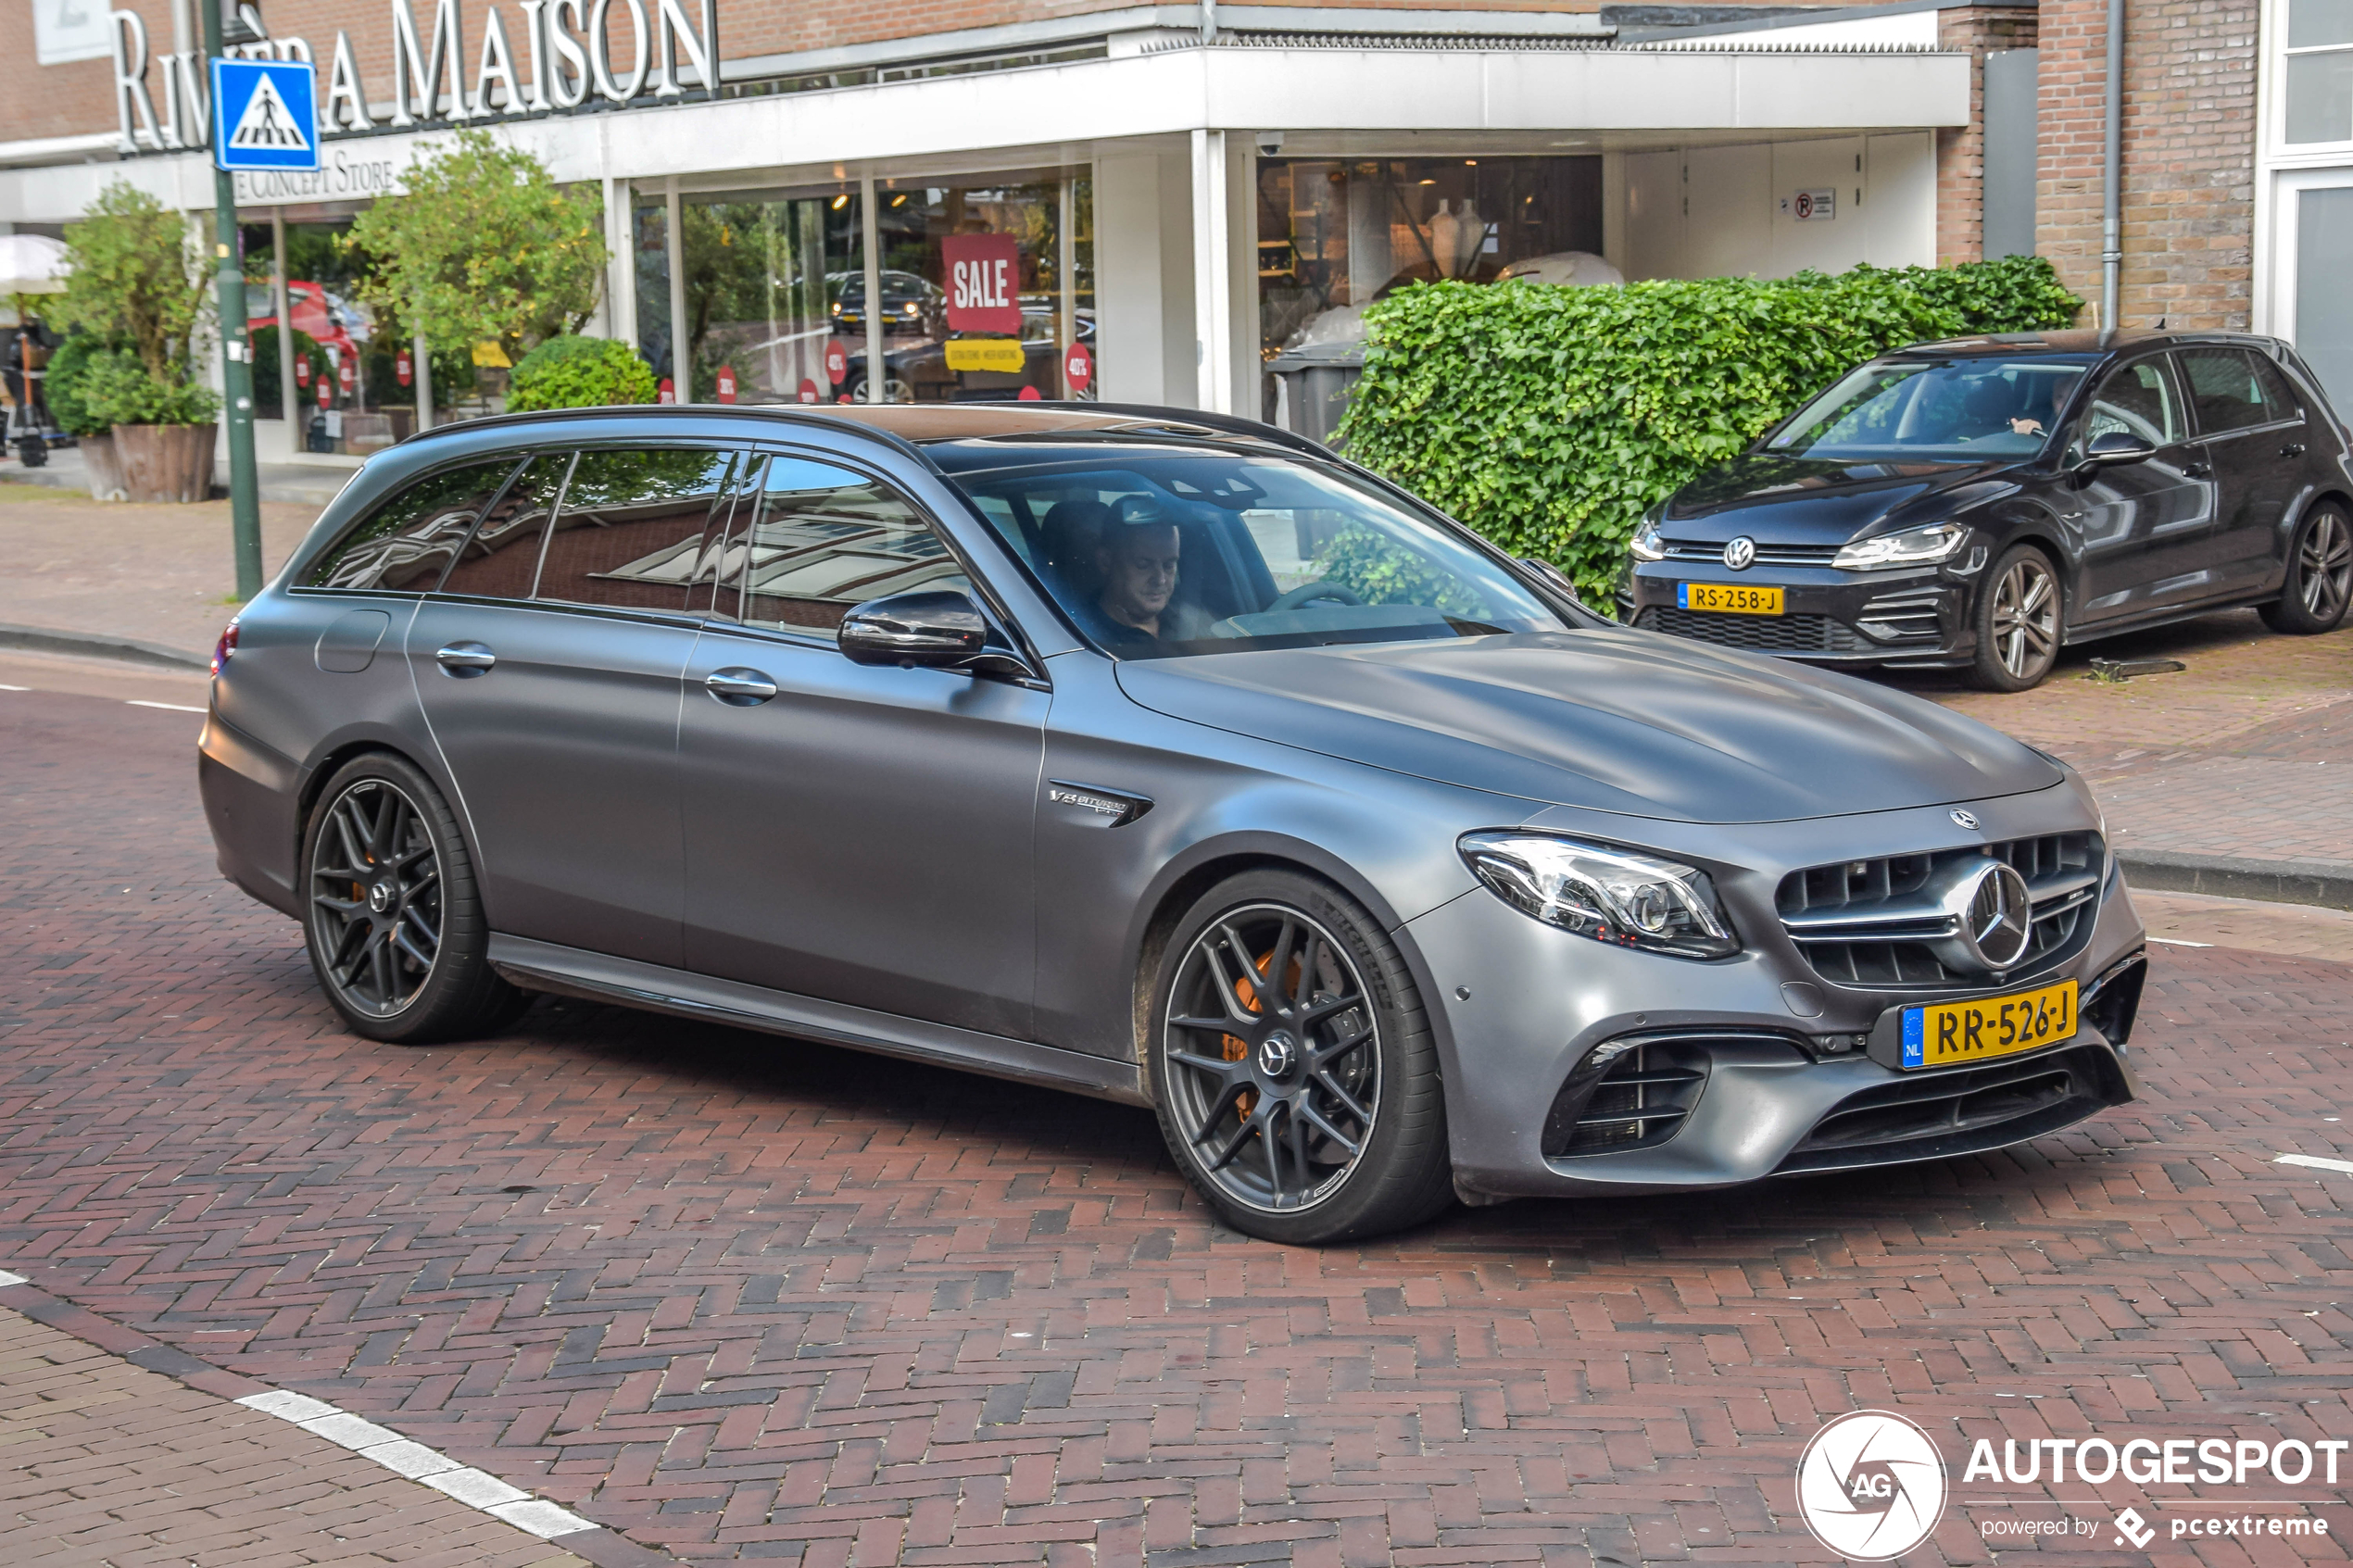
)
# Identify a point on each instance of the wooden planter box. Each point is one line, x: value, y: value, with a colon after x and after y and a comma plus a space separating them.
x: 166, y: 462
x: 105, y: 467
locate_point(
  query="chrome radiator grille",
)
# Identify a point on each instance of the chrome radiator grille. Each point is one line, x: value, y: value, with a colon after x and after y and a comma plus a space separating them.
x: 1869, y: 922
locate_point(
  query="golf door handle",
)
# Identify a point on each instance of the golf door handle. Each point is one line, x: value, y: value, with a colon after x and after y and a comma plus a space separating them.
x: 740, y: 687
x: 2198, y: 468
x: 466, y: 659
x: 2293, y: 450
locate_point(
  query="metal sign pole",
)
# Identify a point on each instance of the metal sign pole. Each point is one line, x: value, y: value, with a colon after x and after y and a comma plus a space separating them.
x: 237, y: 354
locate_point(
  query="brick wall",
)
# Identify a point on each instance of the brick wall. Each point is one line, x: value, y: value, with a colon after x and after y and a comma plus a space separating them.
x: 1960, y: 154
x: 2188, y: 150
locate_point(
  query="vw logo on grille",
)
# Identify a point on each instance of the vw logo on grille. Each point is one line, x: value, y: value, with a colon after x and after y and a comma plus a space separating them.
x: 1740, y: 553
x: 1999, y: 917
x: 1965, y: 818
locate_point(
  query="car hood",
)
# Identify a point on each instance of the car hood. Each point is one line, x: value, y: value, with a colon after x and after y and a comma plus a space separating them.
x: 1807, y: 501
x: 1608, y: 720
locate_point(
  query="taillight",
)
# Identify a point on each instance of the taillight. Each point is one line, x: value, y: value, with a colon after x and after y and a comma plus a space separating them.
x: 224, y: 647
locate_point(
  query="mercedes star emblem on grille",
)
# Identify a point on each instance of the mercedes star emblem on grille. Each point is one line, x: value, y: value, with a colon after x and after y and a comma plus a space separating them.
x: 1740, y: 553
x: 2000, y: 917
x: 1965, y: 818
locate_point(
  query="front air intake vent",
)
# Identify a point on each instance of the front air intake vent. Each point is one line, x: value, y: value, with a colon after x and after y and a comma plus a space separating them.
x: 1630, y: 1093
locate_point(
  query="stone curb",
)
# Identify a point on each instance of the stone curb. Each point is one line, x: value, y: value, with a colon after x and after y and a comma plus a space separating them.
x: 90, y: 645
x: 603, y: 1547
x: 2328, y: 884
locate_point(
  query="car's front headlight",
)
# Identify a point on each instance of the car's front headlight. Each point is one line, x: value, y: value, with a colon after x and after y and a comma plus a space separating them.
x: 1913, y: 547
x: 1646, y: 545
x: 1611, y: 894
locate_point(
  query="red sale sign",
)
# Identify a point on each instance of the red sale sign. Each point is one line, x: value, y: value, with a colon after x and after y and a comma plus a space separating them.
x: 1029, y: 394
x: 302, y: 370
x: 808, y: 389
x: 664, y: 392
x: 726, y: 384
x: 326, y: 391
x: 836, y: 360
x: 1078, y: 366
x: 983, y: 282
x: 400, y: 367
x: 349, y: 373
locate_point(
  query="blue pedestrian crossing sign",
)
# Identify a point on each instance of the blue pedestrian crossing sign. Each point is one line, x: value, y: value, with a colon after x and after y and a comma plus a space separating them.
x: 265, y: 115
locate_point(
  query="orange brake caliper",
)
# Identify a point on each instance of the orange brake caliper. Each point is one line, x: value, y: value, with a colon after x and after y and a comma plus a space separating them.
x: 1234, y: 1047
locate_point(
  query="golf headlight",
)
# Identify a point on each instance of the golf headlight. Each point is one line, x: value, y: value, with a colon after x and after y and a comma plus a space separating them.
x: 1913, y: 547
x: 1646, y: 545
x: 1611, y: 894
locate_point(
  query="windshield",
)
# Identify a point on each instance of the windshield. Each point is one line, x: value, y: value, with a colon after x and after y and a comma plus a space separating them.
x: 1154, y: 554
x: 1981, y: 406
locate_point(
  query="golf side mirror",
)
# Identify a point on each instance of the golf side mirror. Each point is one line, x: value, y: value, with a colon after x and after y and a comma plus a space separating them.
x: 2114, y: 449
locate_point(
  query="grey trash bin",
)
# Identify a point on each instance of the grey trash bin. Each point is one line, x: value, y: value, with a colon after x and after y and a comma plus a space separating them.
x: 1315, y: 384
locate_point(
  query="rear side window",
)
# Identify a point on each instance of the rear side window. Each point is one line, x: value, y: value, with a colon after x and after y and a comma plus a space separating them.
x: 631, y: 532
x: 825, y: 539
x: 501, y: 559
x: 405, y: 544
x: 2223, y: 386
x: 2279, y: 399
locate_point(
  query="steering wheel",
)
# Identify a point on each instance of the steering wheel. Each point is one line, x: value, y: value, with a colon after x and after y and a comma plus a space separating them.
x: 1309, y: 593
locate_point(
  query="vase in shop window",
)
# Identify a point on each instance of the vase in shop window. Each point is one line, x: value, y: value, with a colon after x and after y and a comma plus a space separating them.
x: 1445, y: 230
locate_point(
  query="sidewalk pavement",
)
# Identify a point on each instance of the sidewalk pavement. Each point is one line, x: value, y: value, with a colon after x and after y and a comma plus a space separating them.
x: 311, y: 484
x: 141, y: 1456
x: 2233, y: 776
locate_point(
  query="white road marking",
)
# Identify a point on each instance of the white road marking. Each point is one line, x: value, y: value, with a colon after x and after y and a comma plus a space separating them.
x: 167, y: 706
x: 403, y: 1456
x: 2316, y: 1163
x: 2176, y: 942
x: 7, y: 1279
x: 14, y: 688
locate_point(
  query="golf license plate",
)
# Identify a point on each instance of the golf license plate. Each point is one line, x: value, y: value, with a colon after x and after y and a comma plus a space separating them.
x: 1728, y: 599
x: 1947, y: 1034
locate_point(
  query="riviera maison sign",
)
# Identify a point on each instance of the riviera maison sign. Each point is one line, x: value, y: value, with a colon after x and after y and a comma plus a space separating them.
x: 565, y: 61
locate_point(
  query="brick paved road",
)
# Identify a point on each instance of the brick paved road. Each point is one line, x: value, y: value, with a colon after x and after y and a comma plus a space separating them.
x: 746, y: 1298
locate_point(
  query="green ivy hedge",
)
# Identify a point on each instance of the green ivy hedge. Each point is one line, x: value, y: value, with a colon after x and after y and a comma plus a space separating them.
x: 580, y: 372
x: 1551, y: 418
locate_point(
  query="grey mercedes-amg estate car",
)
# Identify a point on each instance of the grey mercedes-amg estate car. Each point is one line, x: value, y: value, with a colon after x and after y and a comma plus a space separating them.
x: 1160, y: 757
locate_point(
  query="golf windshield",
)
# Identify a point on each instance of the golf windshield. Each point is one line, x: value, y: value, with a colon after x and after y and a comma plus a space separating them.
x: 1979, y: 407
x: 1157, y: 552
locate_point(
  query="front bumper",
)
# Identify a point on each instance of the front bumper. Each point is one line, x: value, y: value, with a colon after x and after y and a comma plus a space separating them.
x: 1757, y: 1065
x: 1913, y: 617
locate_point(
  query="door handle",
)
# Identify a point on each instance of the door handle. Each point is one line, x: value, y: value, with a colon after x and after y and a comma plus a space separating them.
x: 740, y: 687
x: 2198, y: 468
x: 2293, y: 450
x: 466, y: 659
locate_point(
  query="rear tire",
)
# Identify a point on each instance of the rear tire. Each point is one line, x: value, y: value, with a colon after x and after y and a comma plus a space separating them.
x: 1320, y: 1116
x: 2319, y: 575
x: 392, y: 918
x: 2019, y: 621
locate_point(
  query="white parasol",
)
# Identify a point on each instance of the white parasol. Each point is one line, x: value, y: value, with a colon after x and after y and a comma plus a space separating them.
x: 31, y: 264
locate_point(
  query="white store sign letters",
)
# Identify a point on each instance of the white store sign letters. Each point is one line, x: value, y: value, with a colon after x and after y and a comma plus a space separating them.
x: 564, y: 61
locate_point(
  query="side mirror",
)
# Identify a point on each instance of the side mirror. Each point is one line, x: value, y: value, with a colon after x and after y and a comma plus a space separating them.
x: 1554, y: 576
x: 2114, y: 449
x: 936, y: 628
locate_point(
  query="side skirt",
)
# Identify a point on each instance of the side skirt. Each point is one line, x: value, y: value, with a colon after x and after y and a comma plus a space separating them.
x: 597, y: 977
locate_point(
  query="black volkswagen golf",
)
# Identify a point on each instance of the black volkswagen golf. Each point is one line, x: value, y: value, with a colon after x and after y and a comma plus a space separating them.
x: 1980, y: 502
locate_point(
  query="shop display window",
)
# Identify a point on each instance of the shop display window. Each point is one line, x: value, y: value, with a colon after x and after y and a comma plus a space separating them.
x: 1334, y: 234
x: 353, y: 384
x: 988, y: 290
x: 774, y: 280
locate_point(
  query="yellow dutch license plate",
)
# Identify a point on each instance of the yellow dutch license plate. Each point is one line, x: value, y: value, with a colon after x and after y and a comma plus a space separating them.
x: 1947, y: 1034
x: 1728, y: 599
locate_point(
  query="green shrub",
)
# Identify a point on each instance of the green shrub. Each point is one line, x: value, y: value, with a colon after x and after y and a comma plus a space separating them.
x: 580, y: 372
x: 135, y: 276
x: 69, y: 379
x: 1550, y: 418
x: 117, y: 388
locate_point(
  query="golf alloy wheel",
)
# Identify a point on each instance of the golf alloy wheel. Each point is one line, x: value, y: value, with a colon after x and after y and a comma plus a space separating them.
x: 2319, y: 575
x: 1274, y: 1059
x: 2019, y: 621
x: 375, y: 899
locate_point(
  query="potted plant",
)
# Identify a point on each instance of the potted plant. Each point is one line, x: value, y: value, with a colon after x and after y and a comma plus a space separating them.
x: 136, y: 280
x: 70, y: 371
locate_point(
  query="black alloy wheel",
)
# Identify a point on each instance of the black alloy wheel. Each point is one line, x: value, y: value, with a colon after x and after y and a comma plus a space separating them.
x: 1294, y: 1073
x: 394, y: 930
x: 2018, y: 622
x: 2319, y: 575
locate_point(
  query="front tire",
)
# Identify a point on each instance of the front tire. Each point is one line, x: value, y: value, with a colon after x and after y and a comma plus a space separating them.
x: 2319, y: 575
x: 2018, y: 622
x: 393, y: 921
x: 1294, y: 1068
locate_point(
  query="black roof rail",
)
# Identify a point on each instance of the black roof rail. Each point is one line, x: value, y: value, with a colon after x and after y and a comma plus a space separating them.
x: 754, y: 413
x: 1229, y: 424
